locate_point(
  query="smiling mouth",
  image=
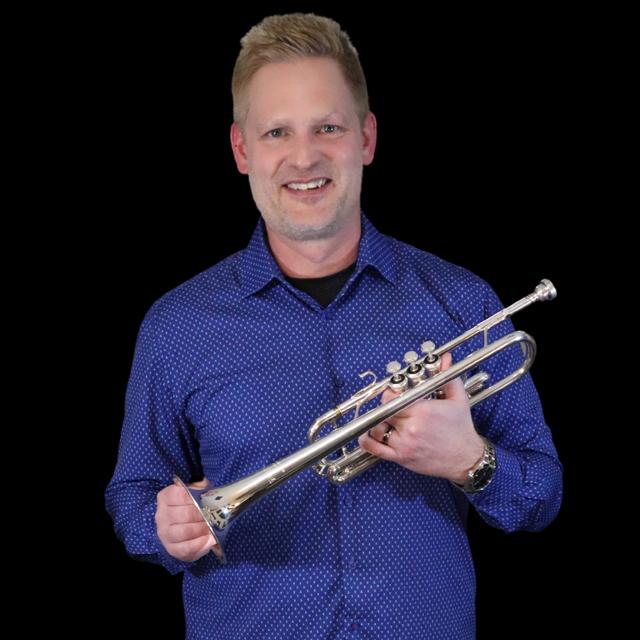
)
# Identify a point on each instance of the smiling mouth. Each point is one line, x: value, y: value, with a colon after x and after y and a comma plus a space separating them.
x: 308, y: 188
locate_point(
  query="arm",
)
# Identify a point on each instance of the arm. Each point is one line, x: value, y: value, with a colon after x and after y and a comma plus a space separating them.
x: 441, y: 438
x: 526, y: 490
x: 156, y: 442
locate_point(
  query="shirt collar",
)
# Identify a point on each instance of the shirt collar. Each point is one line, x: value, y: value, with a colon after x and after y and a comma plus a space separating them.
x: 258, y: 266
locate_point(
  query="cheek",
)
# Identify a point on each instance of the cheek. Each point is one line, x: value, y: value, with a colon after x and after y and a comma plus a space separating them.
x: 263, y: 168
x: 352, y: 169
x: 351, y: 160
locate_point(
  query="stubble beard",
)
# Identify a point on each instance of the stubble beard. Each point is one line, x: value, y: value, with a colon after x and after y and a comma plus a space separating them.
x: 279, y: 219
x: 286, y: 225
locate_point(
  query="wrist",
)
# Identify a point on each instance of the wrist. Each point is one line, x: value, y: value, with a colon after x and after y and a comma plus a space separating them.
x: 473, y: 455
x: 480, y: 475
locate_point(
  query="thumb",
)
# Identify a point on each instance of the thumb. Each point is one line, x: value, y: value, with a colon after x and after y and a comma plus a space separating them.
x: 200, y: 484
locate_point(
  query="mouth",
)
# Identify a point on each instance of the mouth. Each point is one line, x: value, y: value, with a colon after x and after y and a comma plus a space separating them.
x: 308, y: 189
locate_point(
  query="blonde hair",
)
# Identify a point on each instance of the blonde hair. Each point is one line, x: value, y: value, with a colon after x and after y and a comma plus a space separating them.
x: 289, y: 37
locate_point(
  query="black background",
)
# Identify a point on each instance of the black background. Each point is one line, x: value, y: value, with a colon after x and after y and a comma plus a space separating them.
x: 480, y: 160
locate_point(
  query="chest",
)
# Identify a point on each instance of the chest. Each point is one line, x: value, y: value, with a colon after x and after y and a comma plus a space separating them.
x: 252, y: 398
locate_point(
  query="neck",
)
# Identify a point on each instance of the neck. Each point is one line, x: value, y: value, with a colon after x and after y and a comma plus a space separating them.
x: 316, y: 258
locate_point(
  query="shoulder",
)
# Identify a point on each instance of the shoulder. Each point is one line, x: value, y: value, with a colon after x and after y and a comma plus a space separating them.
x: 202, y: 295
x: 464, y: 294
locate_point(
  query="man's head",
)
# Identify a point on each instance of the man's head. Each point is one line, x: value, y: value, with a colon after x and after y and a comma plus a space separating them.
x: 291, y: 37
x: 302, y: 129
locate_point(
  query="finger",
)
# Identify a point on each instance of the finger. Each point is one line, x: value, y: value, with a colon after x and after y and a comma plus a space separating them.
x: 177, y: 495
x: 392, y: 420
x: 211, y: 544
x: 183, y: 514
x: 378, y: 449
x: 174, y: 496
x: 446, y: 360
x: 376, y: 432
x: 389, y: 394
x: 453, y: 390
x: 176, y: 533
x: 191, y: 550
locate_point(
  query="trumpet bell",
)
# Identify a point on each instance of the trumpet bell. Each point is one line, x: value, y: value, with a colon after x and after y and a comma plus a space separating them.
x: 218, y: 534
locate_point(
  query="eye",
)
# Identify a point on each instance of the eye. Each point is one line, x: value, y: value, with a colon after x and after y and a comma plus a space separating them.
x: 275, y: 133
x: 329, y: 128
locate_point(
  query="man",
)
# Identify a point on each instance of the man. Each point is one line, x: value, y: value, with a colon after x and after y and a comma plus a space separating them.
x: 234, y: 365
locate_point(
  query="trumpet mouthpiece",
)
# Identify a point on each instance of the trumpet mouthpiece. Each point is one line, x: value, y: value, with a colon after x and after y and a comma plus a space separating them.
x: 545, y: 290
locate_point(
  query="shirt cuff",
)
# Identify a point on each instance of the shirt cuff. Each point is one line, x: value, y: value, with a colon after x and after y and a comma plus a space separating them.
x: 506, y: 482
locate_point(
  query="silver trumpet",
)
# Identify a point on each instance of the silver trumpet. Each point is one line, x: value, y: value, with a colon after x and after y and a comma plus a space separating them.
x: 334, y: 454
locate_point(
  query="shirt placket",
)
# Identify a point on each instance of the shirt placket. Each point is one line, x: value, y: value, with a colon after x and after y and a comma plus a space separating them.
x: 350, y: 618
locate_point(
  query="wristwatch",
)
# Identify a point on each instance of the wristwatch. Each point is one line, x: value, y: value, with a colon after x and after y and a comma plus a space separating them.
x: 481, y: 474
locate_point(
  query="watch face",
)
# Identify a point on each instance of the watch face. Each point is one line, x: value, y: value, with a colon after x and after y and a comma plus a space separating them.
x: 482, y: 476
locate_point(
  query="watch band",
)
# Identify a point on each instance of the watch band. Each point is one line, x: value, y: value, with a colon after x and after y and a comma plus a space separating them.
x: 480, y: 475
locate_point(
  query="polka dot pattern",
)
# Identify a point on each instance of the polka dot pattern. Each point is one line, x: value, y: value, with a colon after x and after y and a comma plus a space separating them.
x: 230, y: 370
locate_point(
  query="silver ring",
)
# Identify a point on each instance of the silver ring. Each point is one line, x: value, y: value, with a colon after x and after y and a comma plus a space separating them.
x: 386, y: 436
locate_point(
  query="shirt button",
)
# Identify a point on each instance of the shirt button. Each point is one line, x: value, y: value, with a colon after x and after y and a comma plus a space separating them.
x: 354, y: 626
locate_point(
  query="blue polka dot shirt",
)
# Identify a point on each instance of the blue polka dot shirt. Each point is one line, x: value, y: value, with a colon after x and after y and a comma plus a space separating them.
x: 230, y: 370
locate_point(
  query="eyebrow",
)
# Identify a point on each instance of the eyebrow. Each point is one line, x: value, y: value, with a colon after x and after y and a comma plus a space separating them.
x: 277, y: 123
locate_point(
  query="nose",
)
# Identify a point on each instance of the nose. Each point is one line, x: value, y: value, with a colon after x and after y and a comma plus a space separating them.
x: 304, y: 151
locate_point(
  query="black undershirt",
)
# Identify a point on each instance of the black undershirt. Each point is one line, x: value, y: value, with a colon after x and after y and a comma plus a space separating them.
x: 323, y: 289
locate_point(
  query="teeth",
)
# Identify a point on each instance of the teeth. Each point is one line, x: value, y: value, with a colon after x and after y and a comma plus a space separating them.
x: 303, y: 186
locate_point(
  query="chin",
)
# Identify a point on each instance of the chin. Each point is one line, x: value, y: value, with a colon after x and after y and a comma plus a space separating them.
x: 306, y: 226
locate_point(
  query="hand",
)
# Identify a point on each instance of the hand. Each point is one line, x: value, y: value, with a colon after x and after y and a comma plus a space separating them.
x: 181, y: 529
x: 430, y: 437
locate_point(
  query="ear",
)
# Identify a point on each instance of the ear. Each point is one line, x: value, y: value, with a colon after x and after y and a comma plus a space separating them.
x: 239, y: 149
x: 369, y: 138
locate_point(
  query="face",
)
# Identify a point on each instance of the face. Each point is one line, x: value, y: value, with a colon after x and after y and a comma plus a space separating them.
x: 303, y: 148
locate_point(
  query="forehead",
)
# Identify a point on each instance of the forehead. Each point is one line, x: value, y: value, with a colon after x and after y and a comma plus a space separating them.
x: 281, y: 90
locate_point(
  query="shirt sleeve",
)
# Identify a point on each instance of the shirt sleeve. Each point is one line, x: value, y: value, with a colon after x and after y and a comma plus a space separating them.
x: 526, y: 490
x: 156, y: 443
